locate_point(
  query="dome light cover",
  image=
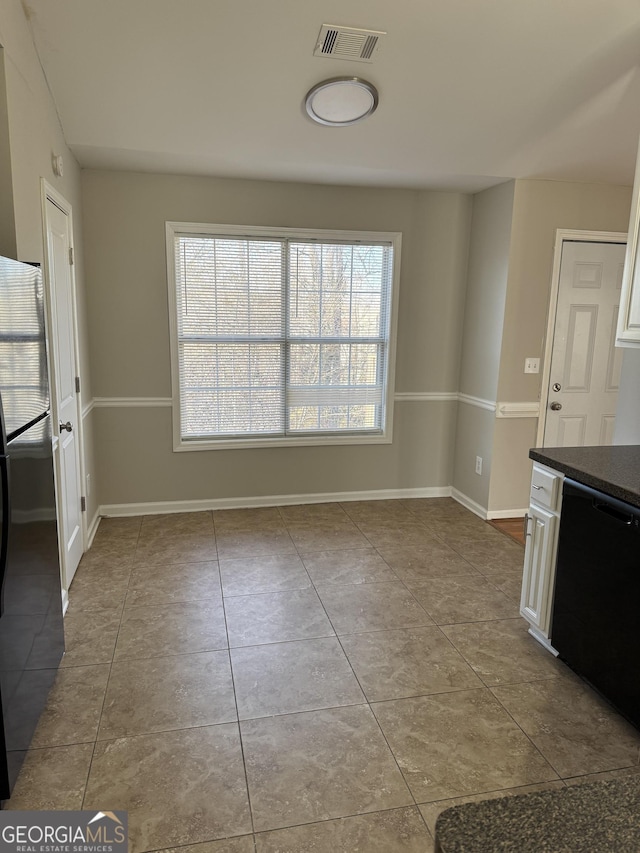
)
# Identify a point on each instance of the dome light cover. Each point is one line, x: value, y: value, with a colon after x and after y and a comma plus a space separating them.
x: 341, y: 101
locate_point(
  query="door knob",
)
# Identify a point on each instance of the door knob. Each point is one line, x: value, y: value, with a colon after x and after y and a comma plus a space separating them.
x: 68, y: 426
x: 555, y: 407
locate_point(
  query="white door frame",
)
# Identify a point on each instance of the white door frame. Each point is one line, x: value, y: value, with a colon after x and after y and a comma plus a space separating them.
x: 48, y: 193
x: 563, y: 235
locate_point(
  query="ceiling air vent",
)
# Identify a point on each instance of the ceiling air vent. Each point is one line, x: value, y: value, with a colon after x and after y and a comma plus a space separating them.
x: 347, y: 43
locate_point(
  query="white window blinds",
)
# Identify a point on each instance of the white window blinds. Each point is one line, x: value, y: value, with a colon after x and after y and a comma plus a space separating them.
x: 281, y: 337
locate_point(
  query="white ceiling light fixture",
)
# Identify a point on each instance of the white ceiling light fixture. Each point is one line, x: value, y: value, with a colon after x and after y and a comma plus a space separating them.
x: 341, y: 101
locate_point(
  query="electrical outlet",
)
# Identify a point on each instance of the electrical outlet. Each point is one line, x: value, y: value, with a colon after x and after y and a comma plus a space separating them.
x: 532, y: 365
x: 479, y: 465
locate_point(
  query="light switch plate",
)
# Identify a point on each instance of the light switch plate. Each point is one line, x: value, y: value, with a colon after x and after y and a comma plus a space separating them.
x: 532, y: 365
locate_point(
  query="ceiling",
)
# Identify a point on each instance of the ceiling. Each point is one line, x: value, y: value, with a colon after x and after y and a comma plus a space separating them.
x: 472, y: 92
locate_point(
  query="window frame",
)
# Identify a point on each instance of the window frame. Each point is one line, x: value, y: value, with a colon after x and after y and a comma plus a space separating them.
x: 175, y: 229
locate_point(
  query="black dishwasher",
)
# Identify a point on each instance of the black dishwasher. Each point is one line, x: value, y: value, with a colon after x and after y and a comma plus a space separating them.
x: 595, y: 623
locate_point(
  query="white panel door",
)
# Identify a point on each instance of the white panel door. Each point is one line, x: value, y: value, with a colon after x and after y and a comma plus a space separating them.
x: 63, y: 392
x: 585, y: 364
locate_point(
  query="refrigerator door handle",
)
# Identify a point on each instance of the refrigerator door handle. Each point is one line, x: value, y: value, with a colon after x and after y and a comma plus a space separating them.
x: 6, y: 521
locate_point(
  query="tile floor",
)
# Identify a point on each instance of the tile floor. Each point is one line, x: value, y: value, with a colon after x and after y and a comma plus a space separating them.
x: 307, y: 678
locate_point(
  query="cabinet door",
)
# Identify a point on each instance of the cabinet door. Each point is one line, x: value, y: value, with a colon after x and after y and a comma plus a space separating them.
x: 539, y: 568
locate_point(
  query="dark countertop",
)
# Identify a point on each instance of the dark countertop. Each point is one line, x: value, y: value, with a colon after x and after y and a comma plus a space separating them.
x: 613, y: 470
x: 596, y: 816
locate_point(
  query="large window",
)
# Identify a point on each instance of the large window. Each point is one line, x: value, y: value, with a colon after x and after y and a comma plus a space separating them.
x: 280, y: 337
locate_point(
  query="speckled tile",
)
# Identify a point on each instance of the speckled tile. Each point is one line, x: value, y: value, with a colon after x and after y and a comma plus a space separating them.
x: 73, y: 708
x: 275, y: 617
x: 169, y: 584
x: 242, y: 844
x: 387, y: 535
x: 372, y: 511
x: 464, y: 598
x: 490, y: 555
x: 90, y: 592
x: 437, y: 508
x: 179, y: 787
x: 455, y: 744
x: 576, y: 730
x: 503, y: 652
x: 310, y: 514
x: 172, y: 523
x: 394, y: 831
x: 431, y: 560
x: 453, y: 530
x: 328, y: 536
x: 407, y: 662
x: 118, y: 529
x: 110, y: 559
x: 176, y: 692
x: 272, y: 573
x: 176, y: 548
x: 508, y: 582
x: 319, y: 765
x: 604, y: 776
x: 371, y: 607
x: 178, y: 628
x: 89, y: 637
x: 52, y: 778
x: 430, y: 811
x: 226, y: 520
x: 255, y: 542
x: 283, y: 678
x: 360, y: 565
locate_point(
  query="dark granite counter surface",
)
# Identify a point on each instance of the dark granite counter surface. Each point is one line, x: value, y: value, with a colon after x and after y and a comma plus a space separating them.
x: 613, y: 470
x: 596, y: 817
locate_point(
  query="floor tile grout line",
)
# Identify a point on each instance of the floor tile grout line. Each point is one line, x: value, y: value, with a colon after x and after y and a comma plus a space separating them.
x: 338, y: 636
x: 529, y: 738
x: 240, y: 738
x: 368, y: 705
x: 104, y: 698
x: 411, y: 807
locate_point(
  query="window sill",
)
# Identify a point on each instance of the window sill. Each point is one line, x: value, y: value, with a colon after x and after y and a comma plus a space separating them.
x: 302, y: 441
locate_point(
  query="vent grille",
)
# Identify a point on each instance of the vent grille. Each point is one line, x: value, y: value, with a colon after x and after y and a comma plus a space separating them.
x: 348, y: 43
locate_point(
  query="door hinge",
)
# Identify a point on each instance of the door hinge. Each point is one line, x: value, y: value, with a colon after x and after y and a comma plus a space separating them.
x: 77, y: 384
x: 83, y: 504
x: 71, y: 261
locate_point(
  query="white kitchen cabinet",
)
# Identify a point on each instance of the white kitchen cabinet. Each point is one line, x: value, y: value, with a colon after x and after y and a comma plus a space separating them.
x: 628, y: 332
x: 542, y: 524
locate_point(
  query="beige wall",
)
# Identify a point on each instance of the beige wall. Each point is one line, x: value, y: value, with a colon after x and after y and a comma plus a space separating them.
x: 34, y: 135
x: 510, y: 265
x: 7, y: 217
x: 486, y: 290
x: 124, y: 228
x: 474, y: 437
x: 540, y: 207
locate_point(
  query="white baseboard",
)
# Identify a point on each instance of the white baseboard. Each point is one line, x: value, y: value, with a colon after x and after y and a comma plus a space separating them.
x: 469, y: 504
x: 65, y: 600
x: 542, y: 639
x: 162, y: 507
x: 93, y: 529
x: 507, y: 513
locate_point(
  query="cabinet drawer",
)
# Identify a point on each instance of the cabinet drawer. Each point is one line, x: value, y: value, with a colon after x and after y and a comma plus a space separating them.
x: 545, y: 487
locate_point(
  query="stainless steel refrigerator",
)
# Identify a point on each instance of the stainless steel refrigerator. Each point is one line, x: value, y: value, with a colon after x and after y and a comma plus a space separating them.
x: 31, y: 629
